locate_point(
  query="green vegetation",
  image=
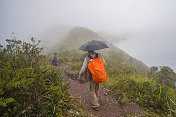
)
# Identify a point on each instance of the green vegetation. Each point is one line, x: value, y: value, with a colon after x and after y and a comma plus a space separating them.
x: 154, y: 92
x: 29, y: 86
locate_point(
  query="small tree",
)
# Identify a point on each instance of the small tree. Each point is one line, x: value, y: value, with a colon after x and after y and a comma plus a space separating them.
x: 164, y: 76
x: 167, y: 76
x: 153, y: 71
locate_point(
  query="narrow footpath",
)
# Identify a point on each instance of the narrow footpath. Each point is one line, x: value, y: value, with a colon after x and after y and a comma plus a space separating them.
x: 109, y: 106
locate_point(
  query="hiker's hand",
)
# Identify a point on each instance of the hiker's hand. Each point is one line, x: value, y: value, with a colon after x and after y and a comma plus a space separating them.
x: 79, y: 78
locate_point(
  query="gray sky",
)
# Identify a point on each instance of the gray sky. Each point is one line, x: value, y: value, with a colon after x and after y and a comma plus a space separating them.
x: 149, y: 25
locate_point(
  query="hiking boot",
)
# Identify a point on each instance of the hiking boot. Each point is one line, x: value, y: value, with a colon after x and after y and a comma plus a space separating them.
x: 96, y: 108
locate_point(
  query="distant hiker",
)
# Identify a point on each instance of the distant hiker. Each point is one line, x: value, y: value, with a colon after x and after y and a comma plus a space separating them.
x: 1, y: 48
x: 93, y: 67
x: 54, y: 61
x: 94, y: 87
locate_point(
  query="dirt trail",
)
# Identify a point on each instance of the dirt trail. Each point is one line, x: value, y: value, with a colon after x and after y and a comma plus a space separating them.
x: 109, y: 106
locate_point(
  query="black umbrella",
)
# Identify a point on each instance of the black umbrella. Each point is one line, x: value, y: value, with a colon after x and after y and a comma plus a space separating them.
x: 93, y: 45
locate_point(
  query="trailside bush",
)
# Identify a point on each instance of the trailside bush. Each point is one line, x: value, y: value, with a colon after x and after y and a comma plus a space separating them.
x: 28, y: 86
x: 140, y: 89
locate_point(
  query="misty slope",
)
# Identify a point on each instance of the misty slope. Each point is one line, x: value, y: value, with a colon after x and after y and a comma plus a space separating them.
x: 79, y: 35
x: 53, y: 35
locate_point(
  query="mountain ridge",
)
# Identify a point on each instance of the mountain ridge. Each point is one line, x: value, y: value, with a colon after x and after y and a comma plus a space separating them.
x: 80, y: 35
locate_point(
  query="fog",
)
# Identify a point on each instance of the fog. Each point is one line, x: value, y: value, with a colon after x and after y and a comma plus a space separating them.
x: 149, y: 26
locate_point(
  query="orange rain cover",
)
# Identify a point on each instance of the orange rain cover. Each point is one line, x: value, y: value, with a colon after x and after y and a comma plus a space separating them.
x: 97, y: 69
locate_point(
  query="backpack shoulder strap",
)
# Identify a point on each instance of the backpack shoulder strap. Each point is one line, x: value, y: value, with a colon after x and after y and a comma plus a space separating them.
x: 96, y: 55
x: 90, y: 57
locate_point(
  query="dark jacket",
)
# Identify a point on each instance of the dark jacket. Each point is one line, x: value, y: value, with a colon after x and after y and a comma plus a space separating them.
x: 54, y: 61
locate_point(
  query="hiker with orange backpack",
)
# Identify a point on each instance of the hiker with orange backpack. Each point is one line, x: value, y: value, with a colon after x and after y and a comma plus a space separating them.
x: 93, y: 67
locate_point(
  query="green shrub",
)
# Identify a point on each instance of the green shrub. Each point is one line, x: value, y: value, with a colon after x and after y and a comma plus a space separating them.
x: 28, y: 85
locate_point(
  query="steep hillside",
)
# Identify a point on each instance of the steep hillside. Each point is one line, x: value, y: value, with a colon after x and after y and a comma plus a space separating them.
x: 79, y: 35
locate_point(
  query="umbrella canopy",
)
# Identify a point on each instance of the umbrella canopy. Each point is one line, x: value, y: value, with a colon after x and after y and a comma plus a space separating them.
x: 93, y: 45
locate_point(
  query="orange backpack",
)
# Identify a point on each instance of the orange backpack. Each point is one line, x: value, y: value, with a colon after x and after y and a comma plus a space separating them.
x: 97, y: 69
